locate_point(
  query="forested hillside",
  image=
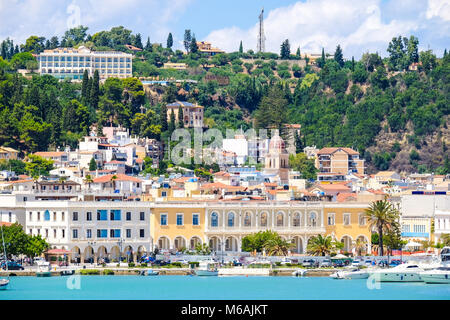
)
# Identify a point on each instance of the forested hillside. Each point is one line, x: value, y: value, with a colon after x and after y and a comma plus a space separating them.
x: 395, y: 116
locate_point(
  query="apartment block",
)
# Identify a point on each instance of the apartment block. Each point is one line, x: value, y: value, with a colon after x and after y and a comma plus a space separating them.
x: 339, y: 160
x: 192, y: 113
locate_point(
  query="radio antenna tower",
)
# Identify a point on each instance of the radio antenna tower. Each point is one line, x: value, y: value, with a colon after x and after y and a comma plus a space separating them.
x: 261, y: 47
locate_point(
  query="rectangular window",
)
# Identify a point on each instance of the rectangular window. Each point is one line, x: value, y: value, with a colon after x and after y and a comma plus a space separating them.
x: 89, y: 233
x: 115, y: 215
x: 38, y: 216
x: 346, y: 219
x: 31, y: 216
x: 54, y: 233
x: 63, y: 216
x: 54, y: 216
x: 114, y: 233
x: 75, y: 233
x: 164, y: 219
x: 102, y: 215
x: 142, y: 216
x: 88, y: 216
x: 128, y: 233
x: 179, y: 219
x: 63, y: 233
x: 141, y: 233
x: 128, y: 216
x: 74, y: 216
x: 331, y: 219
x: 102, y: 233
x: 195, y: 220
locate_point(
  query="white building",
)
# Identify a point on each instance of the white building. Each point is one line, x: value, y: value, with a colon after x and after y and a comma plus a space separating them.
x: 70, y: 63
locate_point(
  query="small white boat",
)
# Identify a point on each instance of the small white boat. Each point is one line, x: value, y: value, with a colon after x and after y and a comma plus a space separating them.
x: 43, y: 269
x: 4, y: 284
x: 207, y: 268
x: 401, y: 273
x: 151, y: 272
x: 299, y: 273
x: 438, y: 275
x: 351, y: 274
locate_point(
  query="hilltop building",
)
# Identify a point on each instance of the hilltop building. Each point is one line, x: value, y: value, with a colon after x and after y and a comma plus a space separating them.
x: 70, y: 63
x: 205, y: 47
x: 192, y: 113
x: 339, y: 160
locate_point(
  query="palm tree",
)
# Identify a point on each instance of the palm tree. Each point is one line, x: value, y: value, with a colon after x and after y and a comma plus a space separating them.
x: 88, y: 179
x: 113, y: 180
x: 320, y: 246
x: 381, y: 215
x: 277, y: 246
x: 360, y: 246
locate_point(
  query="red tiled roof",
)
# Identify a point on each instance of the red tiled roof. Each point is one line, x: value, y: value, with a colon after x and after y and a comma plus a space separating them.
x: 120, y: 177
x: 49, y: 154
x: 334, y: 149
x: 6, y: 224
x: 115, y: 162
x: 219, y: 185
x: 346, y: 196
x: 222, y: 173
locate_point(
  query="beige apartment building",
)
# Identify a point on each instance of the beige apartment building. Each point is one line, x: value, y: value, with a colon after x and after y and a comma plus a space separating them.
x: 192, y: 113
x: 339, y: 160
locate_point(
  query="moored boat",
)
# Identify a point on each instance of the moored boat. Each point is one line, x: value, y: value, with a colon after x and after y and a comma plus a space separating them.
x: 43, y: 269
x: 207, y: 268
x: 4, y: 284
x: 151, y: 272
x: 350, y: 274
x: 438, y: 275
x: 401, y: 273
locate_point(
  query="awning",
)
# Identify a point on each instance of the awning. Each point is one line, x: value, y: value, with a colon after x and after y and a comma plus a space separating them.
x: 413, y: 244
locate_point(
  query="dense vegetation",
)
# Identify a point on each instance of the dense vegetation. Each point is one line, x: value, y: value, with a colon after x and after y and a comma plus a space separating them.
x: 395, y: 117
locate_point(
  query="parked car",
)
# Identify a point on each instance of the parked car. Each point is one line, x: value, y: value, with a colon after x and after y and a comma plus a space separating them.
x: 12, y: 265
x: 368, y: 262
x: 237, y: 263
x: 338, y: 264
x: 356, y: 263
x: 308, y: 263
x: 161, y: 262
x: 326, y: 263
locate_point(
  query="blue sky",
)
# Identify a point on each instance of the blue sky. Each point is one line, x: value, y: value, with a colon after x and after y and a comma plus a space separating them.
x: 358, y: 26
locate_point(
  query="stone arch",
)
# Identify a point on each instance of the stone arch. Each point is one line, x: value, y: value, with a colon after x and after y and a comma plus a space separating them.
x: 102, y: 252
x: 231, y: 243
x: 129, y: 253
x: 231, y: 219
x: 296, y: 219
x: 214, y: 243
x: 194, y: 241
x: 179, y: 243
x: 280, y: 219
x: 141, y: 251
x: 313, y: 218
x: 362, y: 239
x: 164, y: 243
x: 247, y: 219
x: 264, y: 219
x: 75, y: 255
x: 89, y: 254
x: 115, y: 253
x: 298, y: 242
x: 347, y: 241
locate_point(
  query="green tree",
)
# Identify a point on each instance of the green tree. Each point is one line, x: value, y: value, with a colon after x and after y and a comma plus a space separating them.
x: 169, y: 40
x: 37, y: 166
x: 241, y: 49
x: 193, y: 48
x: 428, y: 59
x: 15, y: 239
x: 187, y: 39
x: 256, y: 241
x: 302, y: 164
x: 320, y: 246
x: 381, y: 215
x: 285, y: 51
x: 338, y: 57
x: 272, y: 110
x: 95, y: 90
x: 92, y: 165
x: 278, y: 246
x: 180, y: 118
x: 163, y: 118
x: 35, y: 246
x: 172, y: 126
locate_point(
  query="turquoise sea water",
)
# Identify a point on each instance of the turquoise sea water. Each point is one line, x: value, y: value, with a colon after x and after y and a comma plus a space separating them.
x: 214, y: 288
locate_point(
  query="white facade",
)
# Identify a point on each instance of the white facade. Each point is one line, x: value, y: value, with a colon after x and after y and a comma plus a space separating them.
x: 70, y: 63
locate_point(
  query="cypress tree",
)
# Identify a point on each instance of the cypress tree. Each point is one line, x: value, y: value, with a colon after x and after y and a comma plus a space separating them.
x: 193, y: 47
x: 163, y: 118
x: 138, y: 41
x: 169, y: 41
x: 148, y: 45
x: 84, y: 86
x: 321, y: 62
x: 298, y: 52
x: 95, y: 90
x: 353, y: 63
x: 172, y: 122
x: 241, y: 49
x: 338, y: 56
x: 92, y: 165
x: 88, y: 91
x: 445, y: 52
x: 180, y: 118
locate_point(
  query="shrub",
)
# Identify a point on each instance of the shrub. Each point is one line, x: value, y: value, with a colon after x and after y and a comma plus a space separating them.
x: 131, y: 264
x: 144, y: 264
x: 278, y: 264
x: 108, y: 272
x: 86, y: 272
x: 176, y: 264
x: 194, y: 263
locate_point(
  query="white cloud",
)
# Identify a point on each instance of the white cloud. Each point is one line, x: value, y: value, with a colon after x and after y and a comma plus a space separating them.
x: 358, y: 26
x: 21, y: 18
x: 439, y: 8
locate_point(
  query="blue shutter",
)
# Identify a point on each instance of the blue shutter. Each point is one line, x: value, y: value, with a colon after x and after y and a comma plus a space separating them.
x: 46, y: 215
x: 116, y: 214
x: 117, y: 233
x: 104, y: 232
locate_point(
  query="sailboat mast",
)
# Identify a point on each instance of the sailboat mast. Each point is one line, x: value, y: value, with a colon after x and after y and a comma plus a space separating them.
x: 4, y: 250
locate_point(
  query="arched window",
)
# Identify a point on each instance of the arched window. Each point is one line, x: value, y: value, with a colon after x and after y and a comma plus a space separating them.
x: 312, y: 219
x: 280, y: 219
x: 263, y: 219
x: 296, y: 221
x: 362, y: 219
x: 214, y: 219
x: 231, y: 219
x: 247, y: 220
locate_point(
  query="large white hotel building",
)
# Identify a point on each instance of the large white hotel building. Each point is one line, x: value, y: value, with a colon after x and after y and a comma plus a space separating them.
x: 70, y: 63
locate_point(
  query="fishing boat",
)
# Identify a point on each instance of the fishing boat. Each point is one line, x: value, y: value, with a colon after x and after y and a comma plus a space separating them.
x: 299, y: 273
x: 207, y: 268
x: 43, y: 269
x: 4, y: 283
x: 151, y: 272
x: 402, y: 273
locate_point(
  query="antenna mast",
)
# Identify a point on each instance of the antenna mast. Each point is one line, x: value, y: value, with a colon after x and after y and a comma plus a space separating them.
x: 261, y: 47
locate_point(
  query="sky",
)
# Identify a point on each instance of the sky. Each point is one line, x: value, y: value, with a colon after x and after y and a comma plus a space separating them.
x: 358, y: 26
